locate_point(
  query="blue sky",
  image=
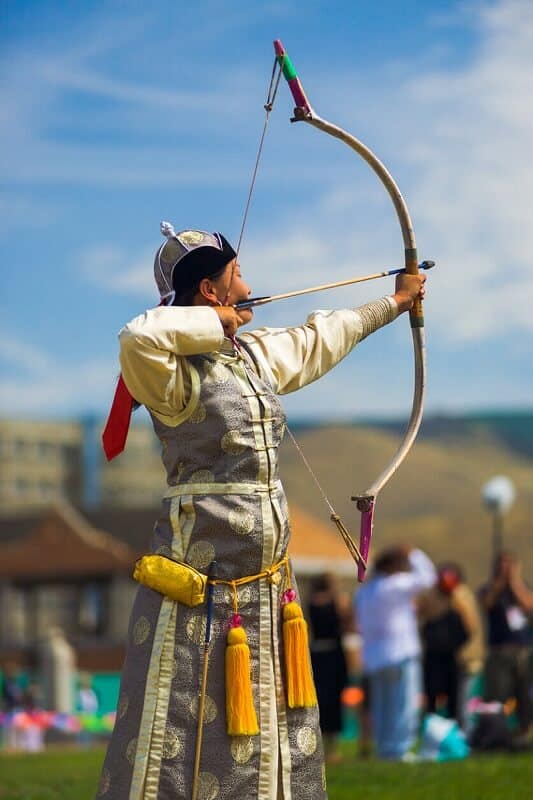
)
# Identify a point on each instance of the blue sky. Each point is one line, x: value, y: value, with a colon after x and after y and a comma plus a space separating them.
x: 115, y: 115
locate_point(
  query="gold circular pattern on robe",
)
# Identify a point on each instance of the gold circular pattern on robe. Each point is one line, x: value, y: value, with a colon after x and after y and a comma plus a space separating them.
x: 202, y: 476
x: 200, y: 555
x: 195, y: 628
x: 241, y: 521
x: 216, y: 373
x: 141, y: 629
x: 105, y: 782
x: 232, y: 443
x: 131, y: 749
x: 210, y: 709
x: 208, y: 786
x: 171, y: 743
x: 244, y: 595
x: 198, y: 415
x: 306, y: 741
x: 122, y: 708
x: 242, y: 748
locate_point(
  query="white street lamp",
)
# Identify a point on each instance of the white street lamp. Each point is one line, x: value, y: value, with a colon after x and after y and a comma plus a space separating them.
x: 498, y: 496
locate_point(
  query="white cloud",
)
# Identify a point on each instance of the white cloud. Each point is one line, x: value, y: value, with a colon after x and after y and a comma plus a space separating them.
x: 465, y: 134
x: 110, y: 267
x: 474, y: 179
x: 40, y: 385
x: 458, y: 137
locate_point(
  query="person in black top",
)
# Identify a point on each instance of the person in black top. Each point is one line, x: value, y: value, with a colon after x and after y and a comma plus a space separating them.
x: 508, y: 605
x: 443, y: 632
x: 330, y: 618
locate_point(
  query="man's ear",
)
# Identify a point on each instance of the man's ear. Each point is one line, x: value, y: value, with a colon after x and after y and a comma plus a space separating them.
x: 207, y: 291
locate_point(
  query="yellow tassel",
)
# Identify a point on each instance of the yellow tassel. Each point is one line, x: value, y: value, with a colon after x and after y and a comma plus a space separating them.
x: 241, y: 718
x: 301, y: 691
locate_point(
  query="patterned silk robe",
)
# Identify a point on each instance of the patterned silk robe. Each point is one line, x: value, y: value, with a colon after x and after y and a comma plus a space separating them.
x: 220, y: 423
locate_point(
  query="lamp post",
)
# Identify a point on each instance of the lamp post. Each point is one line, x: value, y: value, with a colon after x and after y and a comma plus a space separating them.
x: 498, y: 496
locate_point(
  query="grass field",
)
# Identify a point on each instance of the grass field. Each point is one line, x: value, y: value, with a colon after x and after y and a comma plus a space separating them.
x: 73, y: 775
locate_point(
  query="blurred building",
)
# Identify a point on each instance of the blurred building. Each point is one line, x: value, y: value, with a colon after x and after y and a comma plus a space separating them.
x: 57, y: 570
x: 71, y: 528
x: 39, y: 462
x: 71, y: 570
x: 43, y: 462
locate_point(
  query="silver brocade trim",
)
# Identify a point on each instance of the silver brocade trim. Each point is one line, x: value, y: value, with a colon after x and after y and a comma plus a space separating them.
x: 376, y: 314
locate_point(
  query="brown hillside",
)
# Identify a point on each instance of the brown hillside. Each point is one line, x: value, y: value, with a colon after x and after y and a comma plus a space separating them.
x: 434, y: 500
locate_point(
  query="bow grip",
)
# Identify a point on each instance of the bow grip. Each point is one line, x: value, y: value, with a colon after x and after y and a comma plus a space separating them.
x: 416, y: 314
x: 292, y: 78
x: 366, y: 507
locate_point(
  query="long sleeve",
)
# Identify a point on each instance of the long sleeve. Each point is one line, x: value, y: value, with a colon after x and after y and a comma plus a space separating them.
x: 422, y: 575
x: 295, y: 357
x: 152, y: 347
x: 386, y: 613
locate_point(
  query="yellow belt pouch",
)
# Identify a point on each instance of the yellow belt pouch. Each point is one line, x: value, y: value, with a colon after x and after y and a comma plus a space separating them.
x: 174, y: 579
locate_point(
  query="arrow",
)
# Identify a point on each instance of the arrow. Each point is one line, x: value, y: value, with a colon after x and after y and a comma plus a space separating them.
x: 261, y: 301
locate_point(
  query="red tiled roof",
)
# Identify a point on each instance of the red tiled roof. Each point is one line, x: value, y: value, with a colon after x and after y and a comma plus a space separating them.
x: 63, y: 544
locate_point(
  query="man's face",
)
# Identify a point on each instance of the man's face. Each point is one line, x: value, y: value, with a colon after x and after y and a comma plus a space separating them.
x: 504, y: 565
x: 231, y: 289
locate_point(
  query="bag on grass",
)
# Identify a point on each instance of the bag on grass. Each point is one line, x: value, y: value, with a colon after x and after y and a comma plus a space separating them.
x: 442, y: 740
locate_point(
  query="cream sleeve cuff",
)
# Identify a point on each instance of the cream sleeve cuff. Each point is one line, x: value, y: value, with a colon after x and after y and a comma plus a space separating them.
x: 377, y: 314
x: 182, y: 330
x: 153, y: 347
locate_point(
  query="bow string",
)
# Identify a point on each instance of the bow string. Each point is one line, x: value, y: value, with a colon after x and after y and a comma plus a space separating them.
x: 303, y: 112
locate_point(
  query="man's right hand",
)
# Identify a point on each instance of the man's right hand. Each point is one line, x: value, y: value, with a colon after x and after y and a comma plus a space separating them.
x: 231, y: 319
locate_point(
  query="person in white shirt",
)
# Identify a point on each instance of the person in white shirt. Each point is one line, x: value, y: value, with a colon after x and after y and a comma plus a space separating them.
x: 387, y: 622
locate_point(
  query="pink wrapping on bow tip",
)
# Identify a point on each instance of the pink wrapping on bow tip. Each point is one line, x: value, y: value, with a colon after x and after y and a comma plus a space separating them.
x: 364, y: 539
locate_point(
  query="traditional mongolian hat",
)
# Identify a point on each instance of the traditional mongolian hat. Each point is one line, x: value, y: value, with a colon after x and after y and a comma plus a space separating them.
x: 187, y: 257
x: 180, y: 264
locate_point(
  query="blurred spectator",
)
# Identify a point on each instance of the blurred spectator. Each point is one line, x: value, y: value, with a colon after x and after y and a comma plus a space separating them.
x: 365, y: 719
x: 330, y: 615
x: 12, y: 702
x: 32, y: 722
x: 386, y: 618
x: 87, y: 698
x: 452, y: 636
x: 87, y: 705
x: 507, y: 602
x: 471, y: 655
x: 12, y: 694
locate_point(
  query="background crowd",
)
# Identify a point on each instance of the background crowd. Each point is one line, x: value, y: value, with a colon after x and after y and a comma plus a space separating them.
x: 429, y: 644
x: 414, y: 640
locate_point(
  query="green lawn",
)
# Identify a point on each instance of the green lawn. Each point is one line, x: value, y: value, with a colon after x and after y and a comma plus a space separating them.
x: 73, y: 775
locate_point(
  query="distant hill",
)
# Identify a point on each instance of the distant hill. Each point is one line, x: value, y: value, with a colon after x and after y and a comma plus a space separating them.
x: 435, y: 498
x: 512, y: 429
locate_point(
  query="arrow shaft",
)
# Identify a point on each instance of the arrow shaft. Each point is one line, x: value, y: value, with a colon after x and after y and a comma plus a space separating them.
x: 261, y: 301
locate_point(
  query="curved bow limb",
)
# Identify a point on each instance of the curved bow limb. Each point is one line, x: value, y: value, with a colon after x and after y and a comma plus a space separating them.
x: 305, y: 113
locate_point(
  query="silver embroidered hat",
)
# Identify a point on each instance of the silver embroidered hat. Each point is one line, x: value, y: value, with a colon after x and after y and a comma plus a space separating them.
x: 187, y: 257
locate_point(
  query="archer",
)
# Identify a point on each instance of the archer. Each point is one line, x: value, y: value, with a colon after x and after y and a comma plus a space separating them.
x: 212, y: 394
